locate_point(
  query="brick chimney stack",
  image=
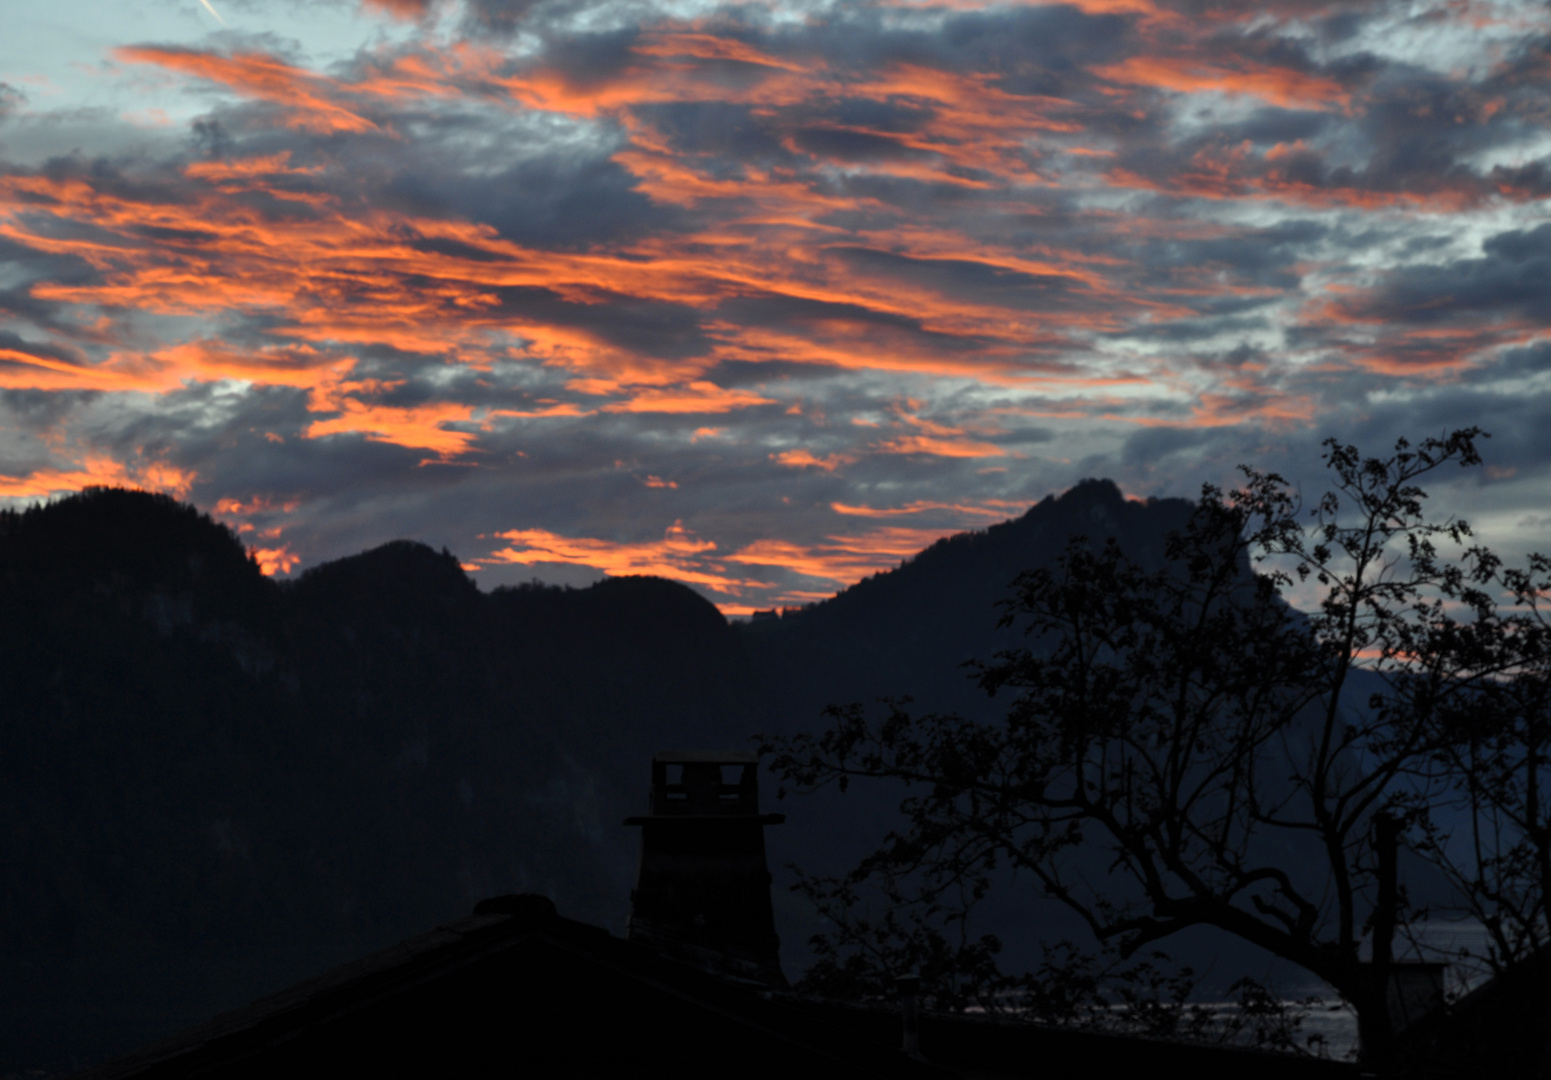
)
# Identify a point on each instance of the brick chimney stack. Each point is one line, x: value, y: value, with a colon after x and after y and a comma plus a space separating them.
x: 702, y: 893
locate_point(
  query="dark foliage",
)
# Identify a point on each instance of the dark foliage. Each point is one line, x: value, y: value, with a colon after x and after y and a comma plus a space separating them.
x: 1178, y: 751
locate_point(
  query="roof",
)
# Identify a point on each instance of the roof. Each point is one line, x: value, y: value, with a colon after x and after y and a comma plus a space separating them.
x: 518, y: 983
x: 1501, y: 1029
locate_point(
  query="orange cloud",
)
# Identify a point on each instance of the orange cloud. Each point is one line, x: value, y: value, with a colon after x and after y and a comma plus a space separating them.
x: 693, y: 397
x: 331, y: 277
x: 419, y: 427
x: 805, y: 459
x: 353, y: 278
x: 844, y: 560
x: 306, y: 97
x: 679, y: 555
x: 301, y: 366
x: 939, y: 447
x: 1279, y: 86
x: 259, y: 504
x: 98, y: 471
x: 682, y: 556
x: 28, y: 371
x: 708, y: 47
x: 398, y: 9
x: 247, y: 168
x: 993, y: 508
x: 272, y: 561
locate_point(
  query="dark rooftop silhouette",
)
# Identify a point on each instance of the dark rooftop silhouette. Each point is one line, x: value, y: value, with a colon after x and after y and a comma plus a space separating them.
x: 516, y: 984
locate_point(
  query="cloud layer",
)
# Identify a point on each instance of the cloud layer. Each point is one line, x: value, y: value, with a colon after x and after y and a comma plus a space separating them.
x: 765, y: 297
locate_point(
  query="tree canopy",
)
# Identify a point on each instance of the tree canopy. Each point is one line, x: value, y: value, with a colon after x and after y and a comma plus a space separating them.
x: 1184, y: 747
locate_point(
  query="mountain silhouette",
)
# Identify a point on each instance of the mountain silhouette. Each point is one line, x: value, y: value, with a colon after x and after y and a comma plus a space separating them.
x: 213, y: 783
x: 909, y: 631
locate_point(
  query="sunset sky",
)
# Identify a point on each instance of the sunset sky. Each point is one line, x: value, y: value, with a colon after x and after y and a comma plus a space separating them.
x: 767, y: 296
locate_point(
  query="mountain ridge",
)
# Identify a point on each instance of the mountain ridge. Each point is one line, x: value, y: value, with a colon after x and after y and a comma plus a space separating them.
x: 214, y: 783
x: 958, y: 583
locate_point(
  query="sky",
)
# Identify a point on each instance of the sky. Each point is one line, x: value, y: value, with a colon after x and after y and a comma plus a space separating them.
x: 767, y: 296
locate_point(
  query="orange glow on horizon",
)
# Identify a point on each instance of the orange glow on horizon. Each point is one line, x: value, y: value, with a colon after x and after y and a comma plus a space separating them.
x: 683, y: 556
x: 680, y: 556
x: 843, y: 560
x: 994, y: 508
x: 98, y: 471
x: 272, y: 561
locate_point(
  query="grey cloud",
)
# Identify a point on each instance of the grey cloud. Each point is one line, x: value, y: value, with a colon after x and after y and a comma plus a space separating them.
x: 712, y: 127
x: 895, y: 117
x: 1419, y: 127
x: 1531, y: 360
x: 1026, y: 436
x: 584, y: 58
x: 1029, y: 50
x: 37, y: 410
x: 967, y: 280
x: 1039, y: 50
x: 1413, y: 131
x: 853, y: 145
x: 1417, y: 245
x: 1259, y: 256
x: 20, y: 303
x: 553, y: 201
x: 740, y: 373
x: 499, y: 18
x: 11, y: 100
x: 209, y: 138
x: 1514, y: 279
x: 1335, y: 27
x: 1519, y: 246
x: 650, y: 327
x: 908, y: 195
x: 1151, y: 445
x: 11, y: 340
x: 1277, y: 125
x: 1194, y: 329
x: 813, y: 315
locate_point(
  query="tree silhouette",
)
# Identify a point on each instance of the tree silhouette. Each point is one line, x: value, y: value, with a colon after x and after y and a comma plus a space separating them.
x: 1491, y: 833
x: 1182, y: 745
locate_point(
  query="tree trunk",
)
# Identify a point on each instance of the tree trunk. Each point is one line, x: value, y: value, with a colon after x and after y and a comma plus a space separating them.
x: 1375, y: 1029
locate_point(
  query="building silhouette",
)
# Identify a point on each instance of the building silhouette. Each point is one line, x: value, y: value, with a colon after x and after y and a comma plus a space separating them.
x: 696, y: 989
x: 702, y: 892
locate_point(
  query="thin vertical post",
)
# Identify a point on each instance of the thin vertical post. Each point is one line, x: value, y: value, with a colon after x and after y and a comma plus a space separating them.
x: 909, y: 987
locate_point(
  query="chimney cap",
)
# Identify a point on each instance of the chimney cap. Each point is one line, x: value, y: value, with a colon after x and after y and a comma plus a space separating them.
x: 531, y: 907
x: 708, y: 757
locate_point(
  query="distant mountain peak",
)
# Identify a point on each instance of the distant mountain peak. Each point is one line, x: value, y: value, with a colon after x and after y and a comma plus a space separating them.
x: 129, y: 536
x: 1089, y: 489
x: 943, y: 605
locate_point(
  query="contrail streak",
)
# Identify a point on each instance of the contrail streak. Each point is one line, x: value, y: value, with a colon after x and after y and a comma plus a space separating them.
x: 213, y: 11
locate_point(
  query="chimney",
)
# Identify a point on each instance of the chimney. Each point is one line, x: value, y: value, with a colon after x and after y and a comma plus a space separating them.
x: 1415, y: 991
x: 702, y: 893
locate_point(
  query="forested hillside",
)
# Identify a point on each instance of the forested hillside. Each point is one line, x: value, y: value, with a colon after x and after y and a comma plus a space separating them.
x: 213, y: 783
